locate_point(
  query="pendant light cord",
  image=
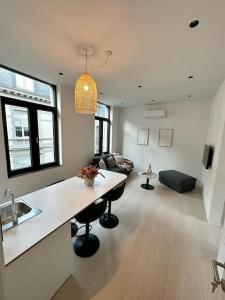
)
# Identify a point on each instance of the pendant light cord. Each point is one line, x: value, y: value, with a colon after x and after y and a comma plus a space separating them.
x: 86, y: 61
x: 103, y: 64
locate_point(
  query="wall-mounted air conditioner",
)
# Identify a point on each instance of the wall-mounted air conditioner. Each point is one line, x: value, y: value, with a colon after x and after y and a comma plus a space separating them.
x: 157, y: 113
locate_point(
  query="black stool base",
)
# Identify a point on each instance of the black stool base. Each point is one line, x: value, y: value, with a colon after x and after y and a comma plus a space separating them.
x: 147, y: 186
x: 86, y: 246
x: 109, y: 221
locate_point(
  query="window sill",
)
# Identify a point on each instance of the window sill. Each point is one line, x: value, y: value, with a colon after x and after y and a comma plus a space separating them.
x: 11, y: 176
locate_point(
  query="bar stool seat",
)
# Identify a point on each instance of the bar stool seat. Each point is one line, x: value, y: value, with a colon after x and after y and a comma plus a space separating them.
x: 87, y: 244
x: 109, y: 220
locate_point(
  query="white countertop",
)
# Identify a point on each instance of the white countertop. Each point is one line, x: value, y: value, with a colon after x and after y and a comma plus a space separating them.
x: 59, y: 203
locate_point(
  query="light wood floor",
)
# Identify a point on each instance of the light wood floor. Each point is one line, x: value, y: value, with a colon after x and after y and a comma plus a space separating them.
x: 162, y: 249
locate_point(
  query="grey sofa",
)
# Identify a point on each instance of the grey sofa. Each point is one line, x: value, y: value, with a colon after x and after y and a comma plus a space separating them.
x: 116, y: 168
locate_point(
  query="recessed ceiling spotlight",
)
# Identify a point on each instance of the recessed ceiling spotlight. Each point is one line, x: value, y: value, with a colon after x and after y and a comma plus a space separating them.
x: 139, y: 86
x: 190, y: 77
x: 194, y: 23
x: 61, y: 73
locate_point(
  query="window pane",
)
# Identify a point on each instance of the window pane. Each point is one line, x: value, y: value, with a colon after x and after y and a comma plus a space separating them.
x: 97, y: 149
x: 102, y: 110
x: 25, y: 88
x: 19, y: 143
x: 18, y: 131
x: 46, y: 137
x: 105, y: 137
x: 24, y: 83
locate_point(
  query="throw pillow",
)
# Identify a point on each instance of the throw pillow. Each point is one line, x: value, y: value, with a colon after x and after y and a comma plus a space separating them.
x: 119, y: 159
x: 102, y: 164
x: 110, y: 162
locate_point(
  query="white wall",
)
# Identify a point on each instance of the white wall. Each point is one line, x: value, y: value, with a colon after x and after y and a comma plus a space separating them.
x: 114, y: 129
x: 189, y: 121
x: 77, y: 150
x: 213, y: 179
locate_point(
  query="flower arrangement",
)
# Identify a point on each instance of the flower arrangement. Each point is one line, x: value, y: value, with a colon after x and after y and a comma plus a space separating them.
x: 89, y: 172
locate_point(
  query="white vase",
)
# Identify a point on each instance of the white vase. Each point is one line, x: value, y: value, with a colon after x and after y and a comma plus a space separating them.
x: 88, y: 181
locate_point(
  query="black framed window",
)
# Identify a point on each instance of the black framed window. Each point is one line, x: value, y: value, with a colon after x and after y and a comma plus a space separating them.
x: 30, y: 122
x: 102, y: 129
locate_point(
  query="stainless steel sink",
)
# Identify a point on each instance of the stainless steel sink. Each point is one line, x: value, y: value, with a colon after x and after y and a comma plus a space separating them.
x: 24, y: 213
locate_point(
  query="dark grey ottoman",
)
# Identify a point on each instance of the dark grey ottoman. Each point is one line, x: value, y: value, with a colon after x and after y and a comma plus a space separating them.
x: 177, y: 181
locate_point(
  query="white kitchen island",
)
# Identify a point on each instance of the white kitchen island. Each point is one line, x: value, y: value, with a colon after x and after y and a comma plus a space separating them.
x: 38, y: 253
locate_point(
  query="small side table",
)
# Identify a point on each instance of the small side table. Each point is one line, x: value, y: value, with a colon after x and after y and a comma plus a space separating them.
x: 152, y: 176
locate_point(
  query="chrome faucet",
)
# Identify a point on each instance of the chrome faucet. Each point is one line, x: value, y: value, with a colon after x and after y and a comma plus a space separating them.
x: 14, y: 212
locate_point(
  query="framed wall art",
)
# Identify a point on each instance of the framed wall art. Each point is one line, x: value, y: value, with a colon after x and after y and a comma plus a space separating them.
x: 143, y: 137
x: 165, y: 138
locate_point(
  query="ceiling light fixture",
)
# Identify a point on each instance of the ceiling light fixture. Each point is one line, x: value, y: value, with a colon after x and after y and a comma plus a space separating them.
x: 85, y: 90
x: 194, y: 23
x: 86, y: 95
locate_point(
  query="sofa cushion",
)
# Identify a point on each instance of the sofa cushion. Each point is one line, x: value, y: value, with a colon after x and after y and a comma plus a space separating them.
x: 110, y: 161
x: 118, y: 169
x: 105, y: 156
x: 102, y: 164
x: 119, y: 159
x: 95, y: 160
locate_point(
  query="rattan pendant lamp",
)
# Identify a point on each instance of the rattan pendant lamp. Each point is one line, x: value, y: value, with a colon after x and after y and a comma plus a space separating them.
x: 85, y: 90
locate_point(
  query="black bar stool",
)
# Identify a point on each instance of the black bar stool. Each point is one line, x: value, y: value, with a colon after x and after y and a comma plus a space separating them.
x: 74, y: 228
x: 108, y: 220
x: 87, y: 244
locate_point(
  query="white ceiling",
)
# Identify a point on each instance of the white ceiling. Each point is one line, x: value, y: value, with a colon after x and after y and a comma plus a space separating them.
x: 151, y: 41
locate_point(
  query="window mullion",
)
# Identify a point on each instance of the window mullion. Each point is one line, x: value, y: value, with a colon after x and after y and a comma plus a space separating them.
x: 35, y: 156
x: 100, y: 135
x: 108, y: 137
x: 6, y: 136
